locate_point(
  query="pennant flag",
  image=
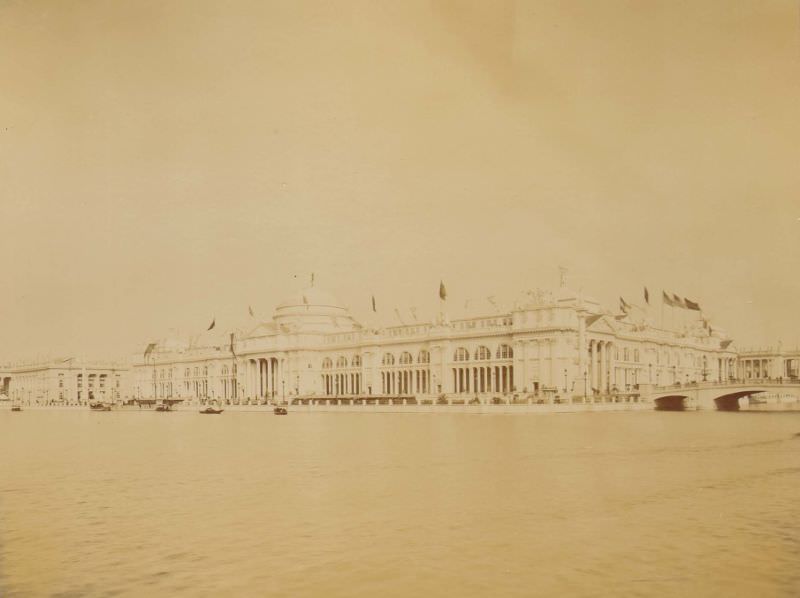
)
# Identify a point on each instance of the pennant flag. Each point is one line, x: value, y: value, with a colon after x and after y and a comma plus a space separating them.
x: 399, y: 317
x: 252, y: 313
x: 213, y: 323
x: 373, y: 303
x: 413, y: 311
x: 442, y: 291
x: 725, y: 344
x: 646, y: 296
x: 624, y: 306
x: 150, y: 348
x: 691, y: 305
x: 667, y: 299
x: 677, y: 301
x: 231, y: 346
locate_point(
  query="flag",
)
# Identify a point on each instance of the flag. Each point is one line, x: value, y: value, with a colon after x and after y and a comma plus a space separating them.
x: 312, y: 279
x: 691, y: 305
x: 150, y: 348
x: 373, y: 303
x: 213, y: 323
x: 646, y: 296
x: 667, y: 299
x: 677, y: 301
x: 442, y: 291
x: 231, y: 346
x: 413, y: 311
x: 252, y: 313
x: 624, y: 306
x: 399, y: 317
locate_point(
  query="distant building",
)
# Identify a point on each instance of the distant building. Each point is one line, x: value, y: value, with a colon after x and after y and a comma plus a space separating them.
x: 550, y: 344
x: 64, y: 382
x: 769, y: 363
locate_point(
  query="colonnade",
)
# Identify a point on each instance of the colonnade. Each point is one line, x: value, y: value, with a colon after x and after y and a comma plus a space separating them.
x: 347, y: 383
x: 405, y: 381
x: 263, y: 377
x: 601, y: 365
x: 481, y: 379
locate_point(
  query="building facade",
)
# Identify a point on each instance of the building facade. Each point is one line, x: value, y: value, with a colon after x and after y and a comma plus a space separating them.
x: 65, y: 382
x: 550, y: 345
x: 773, y: 363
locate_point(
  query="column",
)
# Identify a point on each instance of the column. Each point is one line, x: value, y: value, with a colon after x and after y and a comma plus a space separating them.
x: 601, y: 367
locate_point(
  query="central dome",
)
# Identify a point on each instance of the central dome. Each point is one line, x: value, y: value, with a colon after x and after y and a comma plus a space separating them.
x: 311, y: 296
x: 313, y: 310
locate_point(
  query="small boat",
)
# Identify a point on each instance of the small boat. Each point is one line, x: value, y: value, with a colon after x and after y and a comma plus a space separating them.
x: 280, y: 411
x: 211, y: 411
x: 99, y: 407
x: 16, y: 408
x: 163, y: 408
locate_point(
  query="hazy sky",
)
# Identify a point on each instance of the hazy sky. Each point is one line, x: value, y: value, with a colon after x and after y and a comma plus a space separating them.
x: 162, y: 162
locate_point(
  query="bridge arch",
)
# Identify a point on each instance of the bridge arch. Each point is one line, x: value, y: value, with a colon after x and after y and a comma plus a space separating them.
x: 671, y: 403
x: 730, y: 401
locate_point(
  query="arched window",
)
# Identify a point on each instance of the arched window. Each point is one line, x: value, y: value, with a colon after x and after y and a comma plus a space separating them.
x: 424, y: 357
x: 636, y: 355
x: 461, y: 354
x: 625, y: 354
x: 224, y: 370
x: 405, y: 358
x: 356, y: 361
x: 187, y: 372
x: 483, y: 353
x: 341, y: 362
x: 505, y: 352
x: 388, y: 359
x: 327, y: 363
x: 205, y: 371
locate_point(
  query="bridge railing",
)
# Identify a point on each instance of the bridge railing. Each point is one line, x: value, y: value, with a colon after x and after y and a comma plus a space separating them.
x: 729, y: 382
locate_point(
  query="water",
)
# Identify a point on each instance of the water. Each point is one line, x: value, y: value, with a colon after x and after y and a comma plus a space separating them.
x: 248, y: 504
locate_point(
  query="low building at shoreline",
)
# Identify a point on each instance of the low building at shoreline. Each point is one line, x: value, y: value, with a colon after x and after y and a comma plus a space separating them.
x: 551, y: 346
x: 64, y: 382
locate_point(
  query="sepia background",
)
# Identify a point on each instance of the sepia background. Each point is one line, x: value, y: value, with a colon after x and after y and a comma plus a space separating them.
x: 164, y: 163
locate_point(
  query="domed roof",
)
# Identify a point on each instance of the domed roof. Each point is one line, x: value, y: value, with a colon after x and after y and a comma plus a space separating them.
x: 313, y: 310
x: 311, y: 296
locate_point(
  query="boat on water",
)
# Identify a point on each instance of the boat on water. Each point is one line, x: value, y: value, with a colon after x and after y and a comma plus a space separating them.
x: 16, y: 408
x: 163, y: 408
x: 280, y: 411
x: 211, y: 411
x: 99, y: 407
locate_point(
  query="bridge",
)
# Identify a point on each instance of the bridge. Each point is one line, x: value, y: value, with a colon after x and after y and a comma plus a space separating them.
x: 720, y: 396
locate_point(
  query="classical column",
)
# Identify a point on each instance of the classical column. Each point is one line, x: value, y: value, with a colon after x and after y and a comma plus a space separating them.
x: 602, y: 363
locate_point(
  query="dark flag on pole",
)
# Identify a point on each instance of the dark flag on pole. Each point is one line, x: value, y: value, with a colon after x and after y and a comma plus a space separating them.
x: 691, y: 305
x: 373, y: 303
x: 150, y: 348
x: 646, y: 296
x: 213, y: 323
x: 667, y: 299
x: 231, y: 346
x: 442, y: 291
x: 252, y: 313
x: 677, y: 301
x: 624, y: 306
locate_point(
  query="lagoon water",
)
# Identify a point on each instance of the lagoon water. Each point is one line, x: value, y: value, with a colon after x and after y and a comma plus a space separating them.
x: 349, y: 504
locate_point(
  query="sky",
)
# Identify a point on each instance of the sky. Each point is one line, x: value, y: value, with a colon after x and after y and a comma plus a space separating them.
x: 163, y: 164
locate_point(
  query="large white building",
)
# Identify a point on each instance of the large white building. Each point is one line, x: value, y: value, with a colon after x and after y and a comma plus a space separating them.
x: 549, y: 346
